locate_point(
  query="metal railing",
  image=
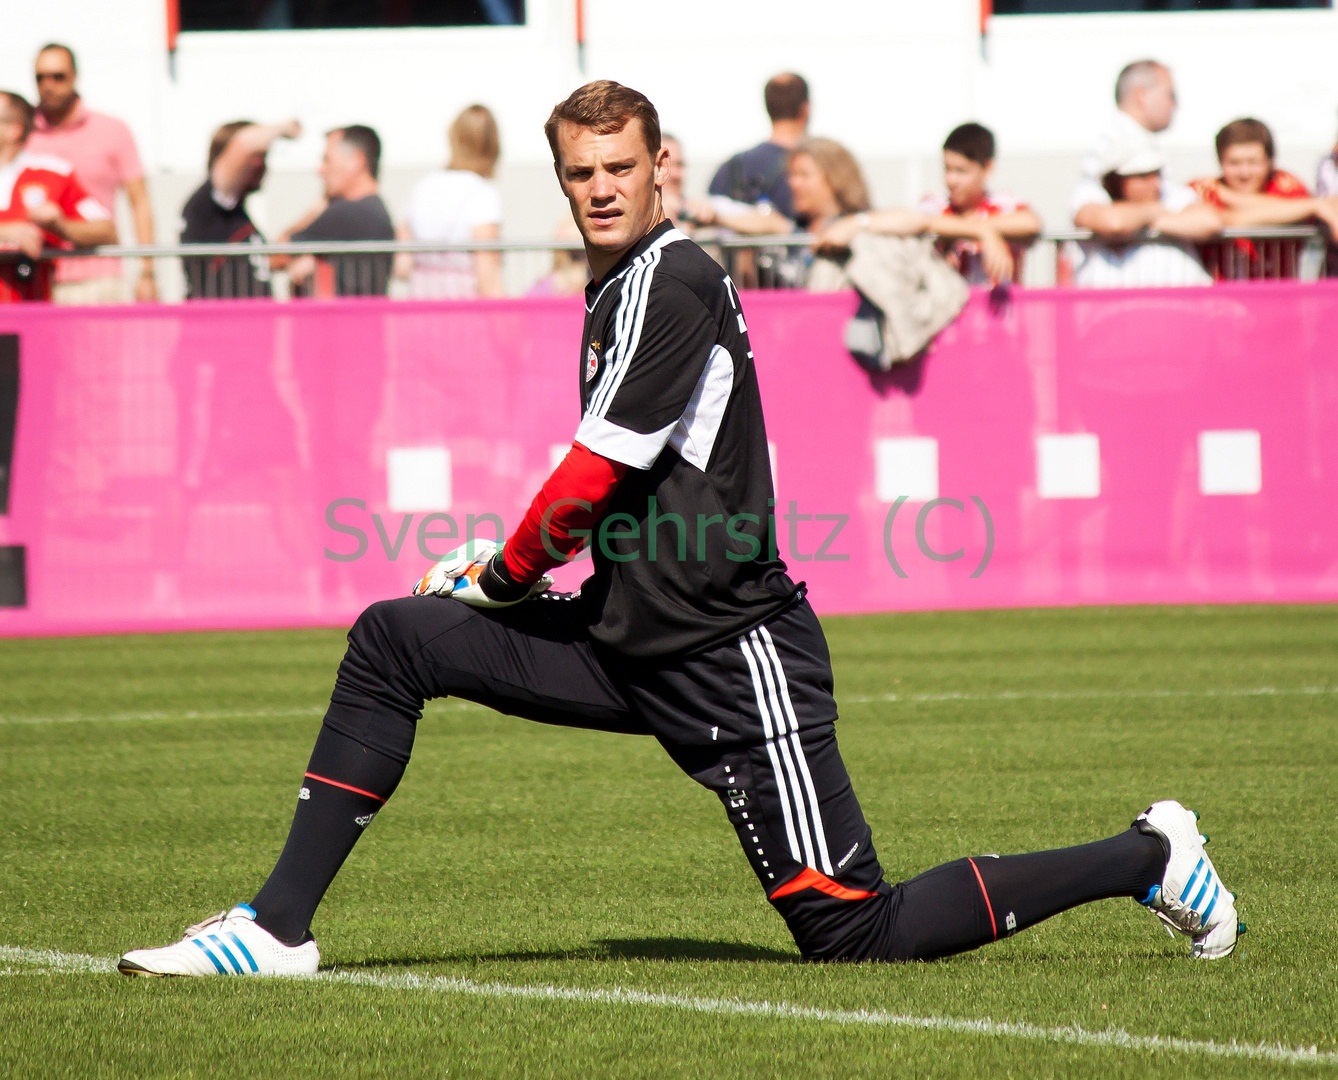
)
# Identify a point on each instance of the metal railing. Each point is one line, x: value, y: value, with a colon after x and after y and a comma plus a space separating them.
x: 363, y: 268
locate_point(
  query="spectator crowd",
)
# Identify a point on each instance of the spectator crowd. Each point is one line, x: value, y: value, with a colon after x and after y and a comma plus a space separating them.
x: 62, y: 164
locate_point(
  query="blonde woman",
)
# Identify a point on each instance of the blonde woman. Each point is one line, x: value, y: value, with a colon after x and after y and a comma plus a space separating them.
x: 826, y: 184
x: 458, y: 204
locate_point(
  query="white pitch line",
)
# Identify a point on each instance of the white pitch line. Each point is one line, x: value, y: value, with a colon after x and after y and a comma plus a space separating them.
x: 189, y: 714
x: 203, y: 714
x: 1116, y: 1038
x: 1084, y: 695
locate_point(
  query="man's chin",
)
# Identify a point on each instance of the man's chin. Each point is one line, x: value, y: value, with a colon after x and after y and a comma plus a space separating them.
x: 609, y: 240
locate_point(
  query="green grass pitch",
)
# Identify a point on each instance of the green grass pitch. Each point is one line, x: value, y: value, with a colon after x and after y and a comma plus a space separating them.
x: 146, y: 782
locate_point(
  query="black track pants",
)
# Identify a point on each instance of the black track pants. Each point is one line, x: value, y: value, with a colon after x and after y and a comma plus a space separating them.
x: 751, y: 719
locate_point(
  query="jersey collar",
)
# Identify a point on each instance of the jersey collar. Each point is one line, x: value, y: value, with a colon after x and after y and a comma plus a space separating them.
x: 663, y: 233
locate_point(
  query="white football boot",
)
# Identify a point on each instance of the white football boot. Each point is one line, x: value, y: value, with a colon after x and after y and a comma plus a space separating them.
x: 228, y: 944
x: 1191, y: 899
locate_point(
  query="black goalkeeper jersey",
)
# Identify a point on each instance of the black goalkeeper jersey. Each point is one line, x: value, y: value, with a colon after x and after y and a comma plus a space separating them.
x: 685, y: 552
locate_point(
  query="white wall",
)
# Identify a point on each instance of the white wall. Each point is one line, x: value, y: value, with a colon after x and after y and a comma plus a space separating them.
x: 889, y: 78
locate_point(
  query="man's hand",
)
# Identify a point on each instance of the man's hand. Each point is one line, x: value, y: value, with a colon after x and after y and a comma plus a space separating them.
x: 465, y: 574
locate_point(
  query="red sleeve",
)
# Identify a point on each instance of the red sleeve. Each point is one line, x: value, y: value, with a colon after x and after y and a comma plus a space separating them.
x: 71, y: 194
x: 572, y: 498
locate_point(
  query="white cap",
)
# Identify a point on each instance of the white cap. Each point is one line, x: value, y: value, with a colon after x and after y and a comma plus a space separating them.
x: 1132, y: 154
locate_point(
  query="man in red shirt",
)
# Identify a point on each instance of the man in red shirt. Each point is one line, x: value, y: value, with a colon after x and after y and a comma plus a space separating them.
x: 1252, y: 192
x: 42, y: 205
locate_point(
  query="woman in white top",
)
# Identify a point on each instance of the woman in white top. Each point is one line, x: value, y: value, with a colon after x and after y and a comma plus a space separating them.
x: 457, y: 205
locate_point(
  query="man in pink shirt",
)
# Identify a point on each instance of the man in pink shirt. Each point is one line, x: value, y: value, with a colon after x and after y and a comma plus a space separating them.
x: 103, y: 154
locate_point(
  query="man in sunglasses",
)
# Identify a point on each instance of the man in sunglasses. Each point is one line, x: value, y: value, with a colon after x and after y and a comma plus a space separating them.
x: 103, y: 154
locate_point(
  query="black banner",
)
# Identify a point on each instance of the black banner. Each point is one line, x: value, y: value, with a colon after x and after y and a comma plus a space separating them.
x: 9, y: 411
x: 13, y: 576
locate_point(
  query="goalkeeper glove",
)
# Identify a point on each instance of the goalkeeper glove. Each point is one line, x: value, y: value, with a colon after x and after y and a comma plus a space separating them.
x: 477, y: 575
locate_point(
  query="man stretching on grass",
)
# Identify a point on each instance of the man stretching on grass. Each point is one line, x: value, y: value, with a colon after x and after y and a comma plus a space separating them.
x: 689, y: 630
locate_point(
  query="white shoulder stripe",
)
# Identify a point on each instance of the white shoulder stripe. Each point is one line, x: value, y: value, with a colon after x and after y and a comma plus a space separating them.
x: 697, y: 429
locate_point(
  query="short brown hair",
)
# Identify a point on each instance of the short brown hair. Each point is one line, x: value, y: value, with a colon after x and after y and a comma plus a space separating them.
x: 785, y: 95
x: 605, y: 107
x: 842, y: 171
x: 23, y: 112
x: 219, y: 142
x: 475, y: 144
x: 1243, y: 131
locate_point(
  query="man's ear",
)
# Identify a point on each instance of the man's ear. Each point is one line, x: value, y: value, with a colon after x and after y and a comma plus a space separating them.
x: 989, y: 170
x: 661, y: 167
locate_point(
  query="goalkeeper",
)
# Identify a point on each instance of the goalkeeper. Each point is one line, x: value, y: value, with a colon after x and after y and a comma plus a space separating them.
x: 688, y: 630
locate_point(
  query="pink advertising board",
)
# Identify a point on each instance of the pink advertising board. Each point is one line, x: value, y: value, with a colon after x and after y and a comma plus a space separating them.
x: 251, y: 464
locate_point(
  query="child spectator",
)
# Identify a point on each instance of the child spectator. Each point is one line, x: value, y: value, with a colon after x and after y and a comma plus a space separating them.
x: 968, y: 162
x: 45, y: 206
x: 1252, y: 191
x: 982, y: 234
x: 456, y: 205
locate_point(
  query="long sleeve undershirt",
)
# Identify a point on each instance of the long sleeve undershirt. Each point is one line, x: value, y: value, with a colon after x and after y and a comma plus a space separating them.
x: 573, y: 497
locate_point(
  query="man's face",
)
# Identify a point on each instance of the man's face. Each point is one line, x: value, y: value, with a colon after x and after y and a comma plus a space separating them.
x: 965, y: 180
x: 341, y: 166
x: 610, y: 182
x: 1142, y: 187
x: 673, y: 165
x: 1246, y: 168
x: 55, y: 80
x: 1158, y: 102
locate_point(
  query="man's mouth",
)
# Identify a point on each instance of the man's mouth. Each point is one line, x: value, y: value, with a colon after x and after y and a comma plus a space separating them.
x: 605, y: 217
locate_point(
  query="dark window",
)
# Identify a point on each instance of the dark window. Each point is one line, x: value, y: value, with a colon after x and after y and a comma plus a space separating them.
x: 346, y: 14
x: 1056, y: 7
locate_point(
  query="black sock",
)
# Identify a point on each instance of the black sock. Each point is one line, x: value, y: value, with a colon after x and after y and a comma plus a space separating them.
x: 1024, y: 889
x: 971, y: 902
x: 345, y: 785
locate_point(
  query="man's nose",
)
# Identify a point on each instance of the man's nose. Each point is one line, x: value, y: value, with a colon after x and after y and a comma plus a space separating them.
x: 602, y: 187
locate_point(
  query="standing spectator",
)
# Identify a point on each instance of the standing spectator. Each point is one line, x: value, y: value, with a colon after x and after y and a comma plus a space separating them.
x: 103, y: 154
x: 758, y: 176
x: 216, y: 212
x: 351, y: 210
x: 1119, y: 255
x: 42, y: 205
x: 458, y: 204
x: 1145, y: 105
x: 1252, y: 191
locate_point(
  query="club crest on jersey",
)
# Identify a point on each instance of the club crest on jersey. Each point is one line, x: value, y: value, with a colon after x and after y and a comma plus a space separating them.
x: 591, y: 360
